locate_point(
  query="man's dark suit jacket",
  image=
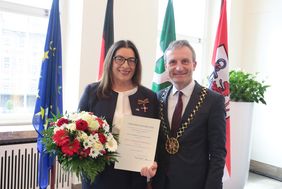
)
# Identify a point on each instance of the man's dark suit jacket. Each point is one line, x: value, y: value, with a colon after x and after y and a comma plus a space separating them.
x: 200, y: 161
x: 112, y: 178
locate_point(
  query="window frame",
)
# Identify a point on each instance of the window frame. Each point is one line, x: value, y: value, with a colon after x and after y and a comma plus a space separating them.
x: 21, y: 119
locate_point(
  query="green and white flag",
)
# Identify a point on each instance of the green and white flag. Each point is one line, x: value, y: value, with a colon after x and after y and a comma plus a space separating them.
x: 161, y: 79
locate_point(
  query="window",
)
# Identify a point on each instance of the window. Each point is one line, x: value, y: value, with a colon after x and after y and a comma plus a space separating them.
x: 23, y: 27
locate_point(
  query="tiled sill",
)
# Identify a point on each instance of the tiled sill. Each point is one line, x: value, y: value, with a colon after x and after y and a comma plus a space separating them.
x: 16, y: 128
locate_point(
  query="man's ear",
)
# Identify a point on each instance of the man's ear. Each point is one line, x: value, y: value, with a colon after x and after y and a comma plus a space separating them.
x: 194, y: 65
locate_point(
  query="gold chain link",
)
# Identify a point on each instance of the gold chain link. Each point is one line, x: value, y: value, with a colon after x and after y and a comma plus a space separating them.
x: 190, y: 118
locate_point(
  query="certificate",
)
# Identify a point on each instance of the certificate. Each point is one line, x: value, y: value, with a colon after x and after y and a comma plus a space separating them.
x: 137, y: 143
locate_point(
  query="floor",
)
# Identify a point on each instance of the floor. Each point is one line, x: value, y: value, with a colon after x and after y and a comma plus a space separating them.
x: 256, y: 181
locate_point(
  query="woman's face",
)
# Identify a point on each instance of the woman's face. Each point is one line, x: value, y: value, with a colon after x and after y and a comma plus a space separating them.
x: 124, y: 64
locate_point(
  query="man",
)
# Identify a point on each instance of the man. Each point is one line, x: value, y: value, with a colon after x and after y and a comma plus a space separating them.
x: 191, y: 148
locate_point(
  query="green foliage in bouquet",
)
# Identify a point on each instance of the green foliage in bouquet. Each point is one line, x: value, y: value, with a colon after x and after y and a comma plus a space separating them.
x: 82, y: 143
x: 244, y: 87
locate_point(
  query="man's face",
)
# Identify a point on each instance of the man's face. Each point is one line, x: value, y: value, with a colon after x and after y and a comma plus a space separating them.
x: 180, y: 66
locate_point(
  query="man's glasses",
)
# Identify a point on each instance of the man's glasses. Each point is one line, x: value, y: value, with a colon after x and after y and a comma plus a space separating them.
x: 121, y: 60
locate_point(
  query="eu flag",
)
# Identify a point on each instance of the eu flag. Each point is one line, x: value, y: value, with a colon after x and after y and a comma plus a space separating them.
x: 49, y: 99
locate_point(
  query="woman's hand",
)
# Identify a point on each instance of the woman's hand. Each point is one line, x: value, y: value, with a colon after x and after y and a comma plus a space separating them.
x: 149, y: 172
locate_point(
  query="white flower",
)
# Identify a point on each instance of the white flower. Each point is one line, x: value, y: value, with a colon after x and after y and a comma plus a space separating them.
x: 73, y: 116
x: 106, y: 126
x: 71, y: 126
x: 94, y: 153
x: 59, y: 128
x: 82, y: 136
x: 111, y: 144
x: 86, y: 117
x: 96, y: 147
x: 93, y: 125
x: 86, y: 144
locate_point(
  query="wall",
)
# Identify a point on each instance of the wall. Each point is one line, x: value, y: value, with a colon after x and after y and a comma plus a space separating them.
x: 71, y: 28
x: 254, y: 35
x: 83, y: 22
x: 261, y: 53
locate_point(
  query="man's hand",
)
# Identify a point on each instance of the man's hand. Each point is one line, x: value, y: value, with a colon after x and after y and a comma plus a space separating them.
x: 149, y: 172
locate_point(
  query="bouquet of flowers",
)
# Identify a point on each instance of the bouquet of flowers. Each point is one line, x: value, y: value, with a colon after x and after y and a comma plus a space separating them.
x: 82, y: 142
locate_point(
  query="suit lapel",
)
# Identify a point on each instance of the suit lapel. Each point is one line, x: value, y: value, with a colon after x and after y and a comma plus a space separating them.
x: 192, y: 102
x: 109, y: 106
x: 165, y: 96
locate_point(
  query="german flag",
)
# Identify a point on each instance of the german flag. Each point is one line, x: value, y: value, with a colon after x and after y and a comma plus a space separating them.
x: 108, y: 35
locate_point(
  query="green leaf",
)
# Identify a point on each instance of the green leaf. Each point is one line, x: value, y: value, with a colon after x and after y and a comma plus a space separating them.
x: 244, y: 87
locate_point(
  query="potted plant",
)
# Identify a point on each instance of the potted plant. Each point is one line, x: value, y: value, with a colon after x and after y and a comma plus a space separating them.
x: 244, y: 87
x: 245, y: 90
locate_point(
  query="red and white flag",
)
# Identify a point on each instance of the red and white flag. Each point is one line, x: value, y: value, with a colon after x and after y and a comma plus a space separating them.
x: 220, y: 78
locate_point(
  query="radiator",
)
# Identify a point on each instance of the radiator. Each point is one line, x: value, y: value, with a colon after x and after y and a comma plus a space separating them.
x: 18, y: 168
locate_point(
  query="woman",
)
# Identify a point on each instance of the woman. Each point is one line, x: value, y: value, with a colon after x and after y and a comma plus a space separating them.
x: 119, y: 93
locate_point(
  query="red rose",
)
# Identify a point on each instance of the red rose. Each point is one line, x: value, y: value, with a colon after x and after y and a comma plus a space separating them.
x: 62, y: 121
x: 81, y: 125
x: 71, y: 147
x: 85, y: 152
x: 103, y: 152
x: 61, y: 137
x: 102, y: 138
x: 100, y: 121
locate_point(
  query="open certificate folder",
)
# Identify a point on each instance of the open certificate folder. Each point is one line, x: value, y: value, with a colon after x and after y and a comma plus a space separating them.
x: 137, y: 143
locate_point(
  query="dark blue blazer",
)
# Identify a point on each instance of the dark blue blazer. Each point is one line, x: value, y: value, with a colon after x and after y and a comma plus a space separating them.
x: 200, y: 161
x: 112, y: 178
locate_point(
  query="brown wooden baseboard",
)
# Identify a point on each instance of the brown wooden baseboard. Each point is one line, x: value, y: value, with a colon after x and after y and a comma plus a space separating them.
x: 266, y: 170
